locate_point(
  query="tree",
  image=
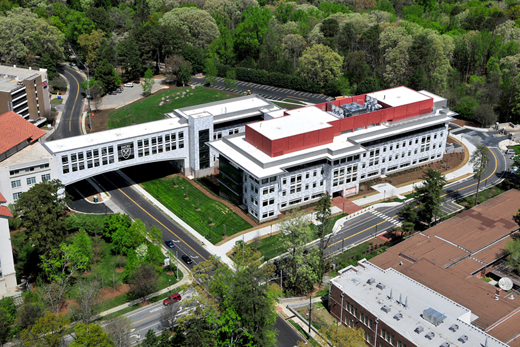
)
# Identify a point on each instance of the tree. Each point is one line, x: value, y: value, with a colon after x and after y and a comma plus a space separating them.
x: 144, y: 281
x: 107, y: 76
x: 320, y: 64
x: 46, y: 62
x: 59, y: 266
x: 48, y: 331
x: 197, y: 25
x: 293, y: 46
x: 484, y: 115
x: 323, y: 214
x: 23, y: 34
x: 249, y: 35
x: 116, y: 223
x: 87, y: 300
x: 7, y: 317
x: 128, y: 56
x: 230, y: 80
x: 409, y: 214
x: 31, y: 310
x: 301, y: 266
x: 480, y: 162
x: 169, y: 315
x: 125, y: 239
x: 184, y: 74
x: 90, y: 336
x: 41, y: 210
x: 429, y: 198
x: 90, y: 44
x: 148, y: 82
x: 119, y: 331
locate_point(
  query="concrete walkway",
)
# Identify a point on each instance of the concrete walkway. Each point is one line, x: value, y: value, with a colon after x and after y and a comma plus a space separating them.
x: 208, y: 245
x: 185, y: 279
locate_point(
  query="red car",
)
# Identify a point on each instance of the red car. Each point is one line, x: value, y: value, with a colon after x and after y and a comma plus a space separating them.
x: 172, y: 299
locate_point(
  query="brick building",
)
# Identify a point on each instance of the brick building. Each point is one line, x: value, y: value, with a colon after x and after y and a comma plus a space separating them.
x: 428, y: 290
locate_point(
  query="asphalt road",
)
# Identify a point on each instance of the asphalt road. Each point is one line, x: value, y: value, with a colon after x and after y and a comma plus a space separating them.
x: 69, y: 124
x: 136, y: 206
x: 375, y: 222
x: 268, y: 92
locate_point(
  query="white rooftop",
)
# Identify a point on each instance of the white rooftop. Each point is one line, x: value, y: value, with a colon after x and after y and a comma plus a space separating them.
x: 29, y: 154
x: 300, y: 121
x: 10, y: 75
x: 248, y: 156
x: 398, y: 96
x: 354, y: 282
x: 435, y: 97
x: 108, y: 136
x: 227, y: 106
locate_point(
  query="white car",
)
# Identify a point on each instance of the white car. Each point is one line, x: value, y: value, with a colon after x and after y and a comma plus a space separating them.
x: 129, y: 84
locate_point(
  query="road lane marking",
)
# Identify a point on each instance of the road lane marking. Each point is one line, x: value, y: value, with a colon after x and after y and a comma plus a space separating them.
x: 471, y: 185
x: 148, y: 213
x: 74, y: 105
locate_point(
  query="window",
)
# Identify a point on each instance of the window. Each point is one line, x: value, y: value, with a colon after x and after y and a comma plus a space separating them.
x: 16, y: 196
x: 65, y: 159
x: 15, y: 184
x: 271, y: 189
x: 31, y: 180
x: 265, y: 191
x: 46, y: 177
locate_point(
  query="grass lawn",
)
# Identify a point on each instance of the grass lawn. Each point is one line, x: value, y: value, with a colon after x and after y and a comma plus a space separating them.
x: 211, y: 218
x: 352, y: 255
x: 484, y: 195
x: 287, y: 106
x: 56, y: 101
x: 268, y: 246
x: 148, y: 109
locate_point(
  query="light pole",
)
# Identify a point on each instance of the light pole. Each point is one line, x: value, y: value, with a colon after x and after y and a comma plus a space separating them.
x: 384, y: 195
x: 170, y: 286
x: 177, y: 264
x: 88, y: 99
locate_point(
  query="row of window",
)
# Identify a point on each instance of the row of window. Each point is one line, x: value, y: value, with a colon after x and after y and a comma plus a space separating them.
x: 30, y: 181
x: 218, y: 135
x: 29, y: 169
x: 346, y: 160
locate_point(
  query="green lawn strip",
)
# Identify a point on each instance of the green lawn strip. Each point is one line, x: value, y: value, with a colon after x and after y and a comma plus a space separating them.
x: 305, y: 334
x: 293, y: 101
x: 484, y: 195
x: 56, y: 101
x: 148, y: 109
x: 211, y: 211
x: 268, y: 245
x: 352, y: 255
x: 287, y: 106
x: 124, y: 298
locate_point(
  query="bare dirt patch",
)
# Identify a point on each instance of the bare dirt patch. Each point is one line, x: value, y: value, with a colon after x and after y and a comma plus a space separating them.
x: 110, y: 293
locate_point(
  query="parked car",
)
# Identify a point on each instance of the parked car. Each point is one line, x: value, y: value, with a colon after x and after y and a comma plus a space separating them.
x: 72, y: 64
x: 169, y: 243
x: 172, y: 299
x: 129, y: 84
x: 186, y: 259
x: 510, y: 151
x: 137, y: 81
x: 119, y: 89
x: 114, y: 92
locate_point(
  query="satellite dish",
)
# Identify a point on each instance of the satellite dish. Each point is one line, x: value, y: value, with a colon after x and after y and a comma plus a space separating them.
x: 505, y: 283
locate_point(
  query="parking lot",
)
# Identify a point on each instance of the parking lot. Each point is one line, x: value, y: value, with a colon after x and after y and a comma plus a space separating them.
x: 129, y: 95
x: 268, y: 92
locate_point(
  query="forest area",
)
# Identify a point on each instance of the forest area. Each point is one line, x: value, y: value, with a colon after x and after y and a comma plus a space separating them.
x: 466, y: 51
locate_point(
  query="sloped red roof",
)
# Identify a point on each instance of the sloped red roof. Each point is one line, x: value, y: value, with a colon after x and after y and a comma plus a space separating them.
x: 4, y: 212
x: 14, y: 130
x: 2, y: 199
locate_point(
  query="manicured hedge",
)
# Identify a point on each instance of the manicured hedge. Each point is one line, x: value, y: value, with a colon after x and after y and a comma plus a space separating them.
x: 275, y: 79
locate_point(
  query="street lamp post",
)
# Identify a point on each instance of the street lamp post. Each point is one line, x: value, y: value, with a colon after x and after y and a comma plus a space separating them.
x: 177, y: 264
x: 384, y: 195
x: 170, y: 286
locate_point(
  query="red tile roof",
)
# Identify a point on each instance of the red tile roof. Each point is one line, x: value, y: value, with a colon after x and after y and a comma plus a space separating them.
x: 14, y: 130
x: 2, y: 199
x: 4, y: 212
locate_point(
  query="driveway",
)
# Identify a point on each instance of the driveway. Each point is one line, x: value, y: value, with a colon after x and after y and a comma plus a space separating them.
x: 129, y: 95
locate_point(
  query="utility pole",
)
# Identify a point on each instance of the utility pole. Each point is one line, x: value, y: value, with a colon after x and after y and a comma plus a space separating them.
x: 310, y: 313
x: 281, y: 283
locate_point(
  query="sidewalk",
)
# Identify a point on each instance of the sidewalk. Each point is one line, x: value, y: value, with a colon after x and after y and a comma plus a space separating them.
x: 208, y: 245
x: 283, y: 310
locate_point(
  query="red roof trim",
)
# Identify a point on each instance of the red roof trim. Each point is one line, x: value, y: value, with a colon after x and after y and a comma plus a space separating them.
x: 5, y: 213
x: 14, y: 130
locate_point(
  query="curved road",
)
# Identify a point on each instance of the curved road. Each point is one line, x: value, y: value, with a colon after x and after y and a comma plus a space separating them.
x: 372, y: 223
x: 69, y: 124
